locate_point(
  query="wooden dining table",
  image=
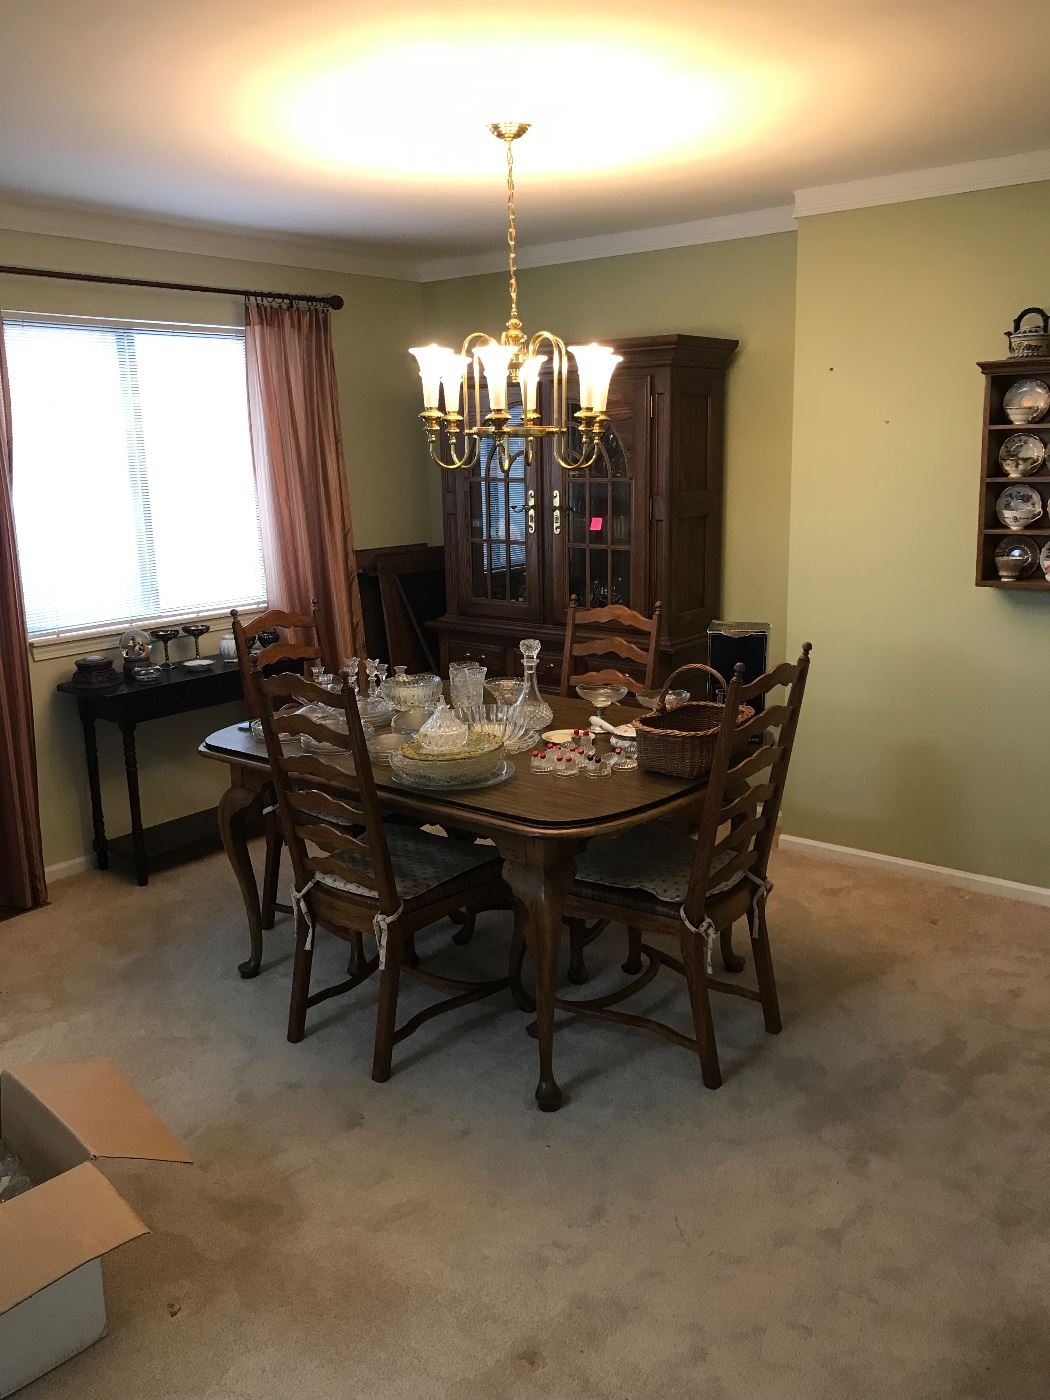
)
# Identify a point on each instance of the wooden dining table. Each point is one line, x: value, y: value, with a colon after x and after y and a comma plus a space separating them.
x: 538, y: 822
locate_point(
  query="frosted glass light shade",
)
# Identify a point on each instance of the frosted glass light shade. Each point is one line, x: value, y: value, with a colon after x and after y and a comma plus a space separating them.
x: 495, y: 361
x: 431, y: 360
x: 595, y: 364
x: 452, y: 370
x: 529, y: 378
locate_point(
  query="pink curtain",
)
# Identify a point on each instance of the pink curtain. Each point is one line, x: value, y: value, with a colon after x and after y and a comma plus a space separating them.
x: 22, y: 883
x: 297, y: 445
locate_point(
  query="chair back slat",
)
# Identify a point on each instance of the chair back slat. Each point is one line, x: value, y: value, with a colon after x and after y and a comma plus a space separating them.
x: 295, y: 724
x: 750, y: 809
x: 316, y: 803
x: 362, y: 862
x: 281, y: 651
x: 768, y: 756
x: 289, y: 686
x: 610, y: 645
x: 749, y: 803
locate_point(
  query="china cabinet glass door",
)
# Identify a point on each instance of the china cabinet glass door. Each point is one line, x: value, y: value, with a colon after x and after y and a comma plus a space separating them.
x: 501, y: 517
x: 600, y: 515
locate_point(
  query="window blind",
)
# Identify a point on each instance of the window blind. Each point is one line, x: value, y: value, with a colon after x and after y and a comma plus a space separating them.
x: 134, y: 493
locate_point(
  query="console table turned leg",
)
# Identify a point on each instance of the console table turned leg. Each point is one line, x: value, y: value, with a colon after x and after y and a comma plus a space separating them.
x: 98, y: 821
x: 131, y: 768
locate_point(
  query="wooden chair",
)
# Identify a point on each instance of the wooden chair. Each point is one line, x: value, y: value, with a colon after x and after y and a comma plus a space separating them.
x: 610, y: 645
x: 661, y: 882
x: 386, y: 881
x: 284, y: 655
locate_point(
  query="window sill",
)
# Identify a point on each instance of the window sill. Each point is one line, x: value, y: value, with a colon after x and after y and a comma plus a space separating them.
x: 103, y: 640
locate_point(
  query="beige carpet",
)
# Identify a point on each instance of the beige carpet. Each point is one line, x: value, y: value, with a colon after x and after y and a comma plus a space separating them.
x: 861, y: 1211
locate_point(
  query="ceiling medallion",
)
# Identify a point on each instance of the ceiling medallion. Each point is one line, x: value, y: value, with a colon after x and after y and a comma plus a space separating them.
x: 455, y: 437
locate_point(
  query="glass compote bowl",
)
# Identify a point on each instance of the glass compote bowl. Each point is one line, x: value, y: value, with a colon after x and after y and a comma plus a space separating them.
x: 506, y: 690
x: 507, y: 723
x: 409, y: 692
x: 601, y: 696
x: 649, y: 699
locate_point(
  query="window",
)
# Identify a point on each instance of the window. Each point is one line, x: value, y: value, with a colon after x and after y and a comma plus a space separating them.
x: 134, y: 494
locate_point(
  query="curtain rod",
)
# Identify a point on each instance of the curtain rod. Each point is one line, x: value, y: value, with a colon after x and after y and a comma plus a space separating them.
x: 335, y: 301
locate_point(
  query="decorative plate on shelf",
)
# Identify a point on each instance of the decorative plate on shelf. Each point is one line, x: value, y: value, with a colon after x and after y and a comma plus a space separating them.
x: 1019, y: 506
x: 1023, y: 549
x: 1044, y: 560
x: 1026, y: 401
x: 1022, y: 454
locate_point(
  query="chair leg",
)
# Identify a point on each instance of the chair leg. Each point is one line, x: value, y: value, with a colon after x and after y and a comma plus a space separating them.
x: 633, y: 965
x: 386, y: 1013
x: 304, y: 958
x: 272, y: 869
x: 732, y: 962
x: 700, y: 1004
x: 466, y: 919
x: 578, y: 973
x: 767, y: 985
x: 356, y: 966
x: 518, y: 951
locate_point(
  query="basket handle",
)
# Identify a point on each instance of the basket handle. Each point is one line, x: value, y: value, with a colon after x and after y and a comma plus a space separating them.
x: 661, y: 704
x: 1032, y: 311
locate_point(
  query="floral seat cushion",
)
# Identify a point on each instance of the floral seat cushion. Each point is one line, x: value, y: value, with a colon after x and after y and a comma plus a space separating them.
x: 656, y: 859
x: 421, y: 863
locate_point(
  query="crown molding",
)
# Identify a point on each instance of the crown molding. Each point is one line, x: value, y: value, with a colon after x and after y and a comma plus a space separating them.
x: 933, y: 183
x: 720, y: 229
x: 214, y: 241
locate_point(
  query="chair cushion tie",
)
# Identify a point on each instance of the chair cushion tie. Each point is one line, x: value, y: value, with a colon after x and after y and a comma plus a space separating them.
x: 299, y: 903
x: 381, y: 928
x: 707, y: 932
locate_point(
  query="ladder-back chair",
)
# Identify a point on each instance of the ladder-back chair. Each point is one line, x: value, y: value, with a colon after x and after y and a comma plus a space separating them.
x: 354, y: 875
x: 606, y: 645
x: 314, y: 649
x: 660, y: 881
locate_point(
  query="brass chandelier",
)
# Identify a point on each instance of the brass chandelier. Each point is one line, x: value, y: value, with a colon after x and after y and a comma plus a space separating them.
x: 452, y: 378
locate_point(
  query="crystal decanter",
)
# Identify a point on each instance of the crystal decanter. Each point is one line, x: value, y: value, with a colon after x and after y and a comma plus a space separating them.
x: 538, y: 713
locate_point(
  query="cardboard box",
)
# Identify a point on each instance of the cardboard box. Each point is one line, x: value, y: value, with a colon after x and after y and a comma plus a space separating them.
x: 57, y: 1118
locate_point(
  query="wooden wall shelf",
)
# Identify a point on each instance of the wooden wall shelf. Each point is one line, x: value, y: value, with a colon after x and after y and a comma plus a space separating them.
x: 999, y: 375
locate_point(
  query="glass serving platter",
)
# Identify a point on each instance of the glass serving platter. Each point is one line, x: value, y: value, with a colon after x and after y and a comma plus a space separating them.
x: 505, y: 771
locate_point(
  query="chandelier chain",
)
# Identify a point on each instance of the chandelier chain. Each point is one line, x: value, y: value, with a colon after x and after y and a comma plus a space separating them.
x: 512, y: 233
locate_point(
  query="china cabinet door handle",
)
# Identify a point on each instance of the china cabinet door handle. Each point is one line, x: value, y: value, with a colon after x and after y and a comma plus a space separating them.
x: 557, y: 512
x: 532, y: 512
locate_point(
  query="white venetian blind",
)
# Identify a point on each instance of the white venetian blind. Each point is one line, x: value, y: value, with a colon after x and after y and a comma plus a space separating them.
x: 134, y: 494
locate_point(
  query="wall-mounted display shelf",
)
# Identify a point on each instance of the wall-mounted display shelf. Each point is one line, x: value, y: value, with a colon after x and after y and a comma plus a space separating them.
x: 1026, y: 448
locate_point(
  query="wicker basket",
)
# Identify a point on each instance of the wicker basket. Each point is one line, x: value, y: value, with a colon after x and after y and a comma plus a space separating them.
x: 681, y: 742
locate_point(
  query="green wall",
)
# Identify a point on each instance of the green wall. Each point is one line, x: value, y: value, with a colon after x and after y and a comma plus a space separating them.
x: 385, y: 468
x: 745, y: 290
x: 924, y: 733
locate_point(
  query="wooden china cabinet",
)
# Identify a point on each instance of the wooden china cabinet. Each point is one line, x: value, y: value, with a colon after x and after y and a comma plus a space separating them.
x: 644, y: 523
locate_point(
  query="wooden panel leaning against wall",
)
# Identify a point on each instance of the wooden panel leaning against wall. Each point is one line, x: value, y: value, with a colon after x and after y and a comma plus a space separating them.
x: 643, y: 524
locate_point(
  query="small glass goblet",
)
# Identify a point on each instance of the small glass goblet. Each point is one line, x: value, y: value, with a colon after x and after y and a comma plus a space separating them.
x: 601, y: 696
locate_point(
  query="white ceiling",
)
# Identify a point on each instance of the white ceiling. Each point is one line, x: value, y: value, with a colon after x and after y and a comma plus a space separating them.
x: 366, y: 122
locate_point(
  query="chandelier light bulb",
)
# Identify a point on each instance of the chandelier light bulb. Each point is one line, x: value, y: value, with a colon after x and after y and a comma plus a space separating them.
x: 495, y: 361
x: 452, y: 370
x: 431, y: 359
x: 529, y: 378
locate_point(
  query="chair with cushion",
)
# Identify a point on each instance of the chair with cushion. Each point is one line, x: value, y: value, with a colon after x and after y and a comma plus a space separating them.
x: 603, y: 645
x: 384, y: 880
x: 662, y: 883
x: 283, y: 655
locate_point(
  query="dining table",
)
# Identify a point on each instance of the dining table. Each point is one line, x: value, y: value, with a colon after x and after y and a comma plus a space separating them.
x: 539, y: 822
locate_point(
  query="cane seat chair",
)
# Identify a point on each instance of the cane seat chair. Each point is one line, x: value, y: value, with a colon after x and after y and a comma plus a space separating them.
x: 662, y: 883
x: 603, y: 645
x: 355, y: 876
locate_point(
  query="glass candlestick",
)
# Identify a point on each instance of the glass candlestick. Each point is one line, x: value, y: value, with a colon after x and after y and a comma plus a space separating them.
x: 538, y: 713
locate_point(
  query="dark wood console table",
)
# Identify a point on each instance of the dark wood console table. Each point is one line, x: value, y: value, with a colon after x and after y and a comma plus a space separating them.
x: 128, y: 705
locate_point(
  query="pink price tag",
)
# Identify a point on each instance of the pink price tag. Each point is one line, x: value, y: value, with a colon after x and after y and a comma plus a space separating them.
x: 596, y: 524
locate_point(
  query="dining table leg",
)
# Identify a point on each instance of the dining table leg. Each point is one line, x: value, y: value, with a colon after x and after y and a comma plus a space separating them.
x: 540, y: 874
x: 235, y: 806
